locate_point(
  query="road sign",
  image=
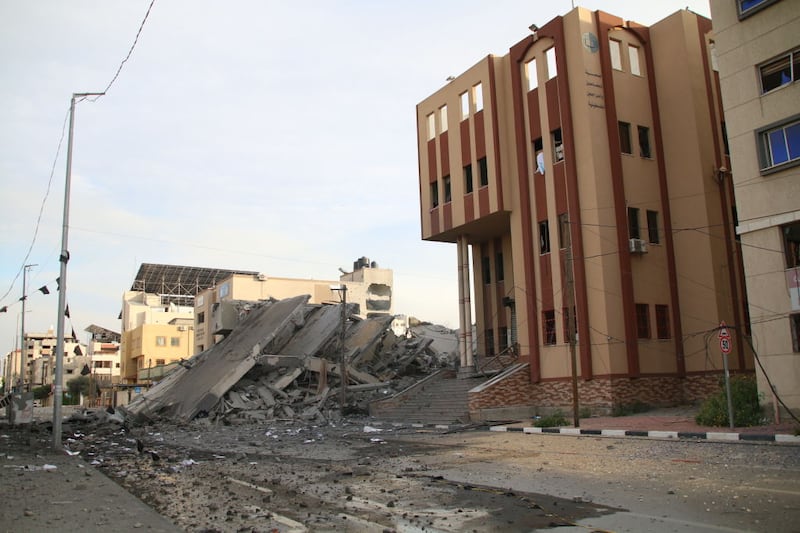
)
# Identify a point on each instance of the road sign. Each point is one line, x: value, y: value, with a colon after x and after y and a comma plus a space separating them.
x: 725, y: 345
x: 723, y: 331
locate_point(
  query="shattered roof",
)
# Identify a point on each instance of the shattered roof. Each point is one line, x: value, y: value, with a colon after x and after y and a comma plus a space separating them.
x: 179, y: 281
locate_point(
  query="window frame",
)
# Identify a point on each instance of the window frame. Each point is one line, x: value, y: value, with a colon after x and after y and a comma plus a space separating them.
x: 645, y: 149
x: 477, y: 96
x: 552, y: 63
x: 755, y: 8
x: 634, y: 52
x: 434, y: 190
x: 161, y: 340
x: 653, y: 236
x: 615, y: 52
x: 483, y: 170
x: 448, y: 189
x: 468, y: 183
x: 531, y: 74
x: 764, y: 146
x: 558, y: 145
x: 625, y: 143
x: 663, y: 329
x: 465, y: 107
x: 544, y: 237
x: 643, y: 321
x: 443, y: 118
x: 549, y: 327
x: 634, y: 226
x: 791, y: 247
x: 431, y: 119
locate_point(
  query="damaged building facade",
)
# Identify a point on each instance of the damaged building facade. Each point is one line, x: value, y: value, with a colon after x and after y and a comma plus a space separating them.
x: 581, y: 172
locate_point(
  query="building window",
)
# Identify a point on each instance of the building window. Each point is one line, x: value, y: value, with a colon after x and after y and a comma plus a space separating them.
x: 558, y: 146
x: 174, y: 341
x: 779, y: 72
x: 725, y: 145
x: 431, y: 126
x: 468, y: 178
x: 448, y: 197
x: 486, y: 267
x: 794, y: 324
x: 530, y: 74
x: 791, y: 244
x: 160, y: 362
x: 633, y: 54
x: 549, y: 327
x: 552, y: 70
x: 499, y: 272
x: 662, y: 322
x: 544, y: 237
x: 634, y: 230
x: 477, y: 92
x: 563, y: 231
x: 652, y: 226
x: 484, y: 177
x: 443, y: 118
x: 748, y: 7
x: 538, y: 151
x: 201, y: 317
x: 780, y: 145
x: 489, y: 342
x: 464, y: 97
x: 625, y: 138
x: 644, y: 141
x: 503, y: 340
x: 643, y: 321
x: 616, y: 54
x: 434, y: 194
x: 161, y: 341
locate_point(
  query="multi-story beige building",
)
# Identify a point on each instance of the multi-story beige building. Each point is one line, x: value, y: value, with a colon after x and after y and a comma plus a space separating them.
x: 580, y: 170
x: 217, y: 308
x: 757, y: 47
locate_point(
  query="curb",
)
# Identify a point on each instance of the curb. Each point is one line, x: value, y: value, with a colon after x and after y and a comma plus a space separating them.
x: 683, y: 435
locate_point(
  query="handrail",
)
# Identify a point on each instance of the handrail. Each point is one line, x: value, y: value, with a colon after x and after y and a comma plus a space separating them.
x: 505, y: 358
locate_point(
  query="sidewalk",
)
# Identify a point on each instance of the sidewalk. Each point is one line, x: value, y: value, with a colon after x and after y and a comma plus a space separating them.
x: 46, y: 490
x: 675, y: 422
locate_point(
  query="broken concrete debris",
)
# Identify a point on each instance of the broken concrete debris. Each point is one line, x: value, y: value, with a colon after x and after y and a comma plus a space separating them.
x: 283, y: 361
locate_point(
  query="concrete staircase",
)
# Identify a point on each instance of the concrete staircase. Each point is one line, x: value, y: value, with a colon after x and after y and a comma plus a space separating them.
x: 438, y: 399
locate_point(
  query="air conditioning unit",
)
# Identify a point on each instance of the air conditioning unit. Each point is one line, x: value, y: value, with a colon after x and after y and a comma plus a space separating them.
x: 261, y: 277
x: 181, y: 328
x: 638, y: 246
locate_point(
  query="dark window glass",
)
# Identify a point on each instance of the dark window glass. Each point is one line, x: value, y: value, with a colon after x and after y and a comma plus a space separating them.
x: 625, y: 138
x: 486, y: 268
x: 468, y: 178
x: 791, y: 244
x: 643, y: 321
x: 549, y: 327
x: 644, y: 141
x: 794, y: 324
x: 652, y: 227
x: 448, y: 196
x: 498, y: 267
x: 544, y: 237
x: 484, y: 177
x: 558, y: 146
x: 634, y: 231
x: 780, y: 145
x: 435, y: 194
x: 662, y: 322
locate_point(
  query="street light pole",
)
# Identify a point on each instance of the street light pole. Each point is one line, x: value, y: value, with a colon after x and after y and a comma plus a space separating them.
x: 62, y: 286
x: 23, y: 345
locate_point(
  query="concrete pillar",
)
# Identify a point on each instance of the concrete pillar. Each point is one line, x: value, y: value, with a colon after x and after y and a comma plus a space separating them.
x: 465, y: 309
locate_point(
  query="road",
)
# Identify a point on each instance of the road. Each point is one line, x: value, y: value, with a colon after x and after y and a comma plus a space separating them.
x: 355, y: 477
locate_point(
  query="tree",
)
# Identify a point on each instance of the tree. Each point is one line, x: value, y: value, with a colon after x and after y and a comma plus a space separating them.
x: 79, y: 385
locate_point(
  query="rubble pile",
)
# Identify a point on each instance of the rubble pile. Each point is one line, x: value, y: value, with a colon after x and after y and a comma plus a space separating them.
x: 283, y: 361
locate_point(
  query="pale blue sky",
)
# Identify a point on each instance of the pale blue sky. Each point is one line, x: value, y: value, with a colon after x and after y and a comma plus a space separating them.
x: 256, y: 135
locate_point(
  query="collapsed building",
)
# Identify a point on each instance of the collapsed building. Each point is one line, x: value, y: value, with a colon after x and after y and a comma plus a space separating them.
x: 290, y: 359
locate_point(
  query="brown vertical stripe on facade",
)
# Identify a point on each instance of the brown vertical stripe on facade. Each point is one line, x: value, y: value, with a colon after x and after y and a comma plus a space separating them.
x: 435, y: 221
x: 444, y: 150
x: 605, y: 23
x: 466, y: 153
x: 516, y: 53
x: 447, y: 211
x: 432, y: 170
x: 469, y: 207
x: 495, y: 119
x: 483, y: 201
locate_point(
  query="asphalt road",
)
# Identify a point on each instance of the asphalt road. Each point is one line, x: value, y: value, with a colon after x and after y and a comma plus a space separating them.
x: 355, y: 477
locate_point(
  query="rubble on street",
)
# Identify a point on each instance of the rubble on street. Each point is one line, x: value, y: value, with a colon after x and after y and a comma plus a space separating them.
x: 285, y: 360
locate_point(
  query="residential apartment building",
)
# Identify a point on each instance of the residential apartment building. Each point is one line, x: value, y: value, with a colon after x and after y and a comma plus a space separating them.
x: 217, y: 308
x: 757, y: 47
x: 580, y: 172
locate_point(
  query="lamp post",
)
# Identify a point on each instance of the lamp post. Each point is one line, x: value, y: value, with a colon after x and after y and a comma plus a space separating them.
x: 342, y: 290
x: 62, y: 287
x: 22, y: 344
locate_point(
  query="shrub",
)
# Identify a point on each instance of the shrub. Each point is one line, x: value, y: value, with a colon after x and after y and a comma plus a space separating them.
x: 554, y: 420
x: 746, y: 409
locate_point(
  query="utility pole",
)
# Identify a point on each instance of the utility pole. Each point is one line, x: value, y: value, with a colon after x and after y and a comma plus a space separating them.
x: 571, y: 312
x: 62, y: 287
x: 23, y: 346
x: 342, y: 290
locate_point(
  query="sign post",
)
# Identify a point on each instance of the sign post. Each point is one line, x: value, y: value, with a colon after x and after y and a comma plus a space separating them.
x: 725, y: 347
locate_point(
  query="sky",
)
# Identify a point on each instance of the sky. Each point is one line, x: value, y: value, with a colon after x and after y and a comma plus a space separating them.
x: 277, y: 137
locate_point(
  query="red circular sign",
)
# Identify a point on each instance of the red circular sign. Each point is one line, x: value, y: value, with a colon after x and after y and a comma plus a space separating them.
x: 725, y: 345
